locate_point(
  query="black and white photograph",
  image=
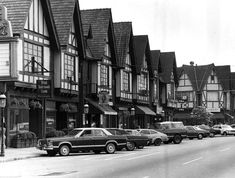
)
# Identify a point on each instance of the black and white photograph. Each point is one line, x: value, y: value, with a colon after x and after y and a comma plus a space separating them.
x: 117, y: 89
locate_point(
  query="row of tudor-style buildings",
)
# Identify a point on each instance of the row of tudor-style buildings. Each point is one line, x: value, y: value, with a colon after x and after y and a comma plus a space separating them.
x: 62, y: 67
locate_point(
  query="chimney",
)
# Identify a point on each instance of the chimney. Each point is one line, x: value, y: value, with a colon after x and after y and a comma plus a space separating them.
x: 191, y: 63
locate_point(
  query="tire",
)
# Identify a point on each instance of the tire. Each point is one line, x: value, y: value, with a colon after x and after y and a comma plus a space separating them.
x: 157, y: 142
x: 51, y: 153
x: 140, y: 147
x: 64, y: 150
x: 177, y: 139
x: 96, y: 151
x: 212, y: 135
x: 200, y: 136
x: 110, y: 148
x: 224, y: 134
x: 130, y: 146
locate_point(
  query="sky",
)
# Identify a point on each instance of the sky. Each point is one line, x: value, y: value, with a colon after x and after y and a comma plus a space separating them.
x: 202, y: 31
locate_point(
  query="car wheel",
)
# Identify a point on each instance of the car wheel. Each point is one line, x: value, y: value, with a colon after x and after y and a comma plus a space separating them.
x: 225, y: 134
x: 177, y: 139
x: 140, y: 147
x: 200, y: 136
x: 51, y: 153
x: 130, y: 146
x: 96, y: 151
x: 110, y: 148
x: 212, y: 134
x: 157, y: 142
x: 64, y: 150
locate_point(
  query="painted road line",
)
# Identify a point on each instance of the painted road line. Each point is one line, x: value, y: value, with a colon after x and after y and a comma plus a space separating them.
x: 225, y: 149
x: 120, y: 156
x: 146, y: 177
x: 137, y: 157
x: 188, y: 162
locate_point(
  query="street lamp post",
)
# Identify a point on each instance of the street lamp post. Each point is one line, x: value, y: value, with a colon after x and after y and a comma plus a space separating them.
x: 86, y: 110
x: 132, y: 113
x: 2, y: 106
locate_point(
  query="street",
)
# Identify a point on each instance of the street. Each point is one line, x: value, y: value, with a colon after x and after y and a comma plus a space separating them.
x: 209, y: 158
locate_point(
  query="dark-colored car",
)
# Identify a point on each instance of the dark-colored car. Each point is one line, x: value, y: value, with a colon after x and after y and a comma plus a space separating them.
x: 194, y: 132
x: 83, y: 139
x: 212, y: 131
x: 133, y: 140
x: 174, y: 130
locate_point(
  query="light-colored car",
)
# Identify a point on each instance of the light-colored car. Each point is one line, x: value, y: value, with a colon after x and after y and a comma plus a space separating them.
x: 154, y: 136
x: 225, y: 129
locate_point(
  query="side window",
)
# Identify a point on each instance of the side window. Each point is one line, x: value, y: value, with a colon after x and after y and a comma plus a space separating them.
x: 98, y: 133
x: 153, y: 132
x: 145, y: 132
x: 86, y: 133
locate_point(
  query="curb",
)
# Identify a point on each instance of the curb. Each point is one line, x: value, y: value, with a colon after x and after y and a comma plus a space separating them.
x: 17, y: 158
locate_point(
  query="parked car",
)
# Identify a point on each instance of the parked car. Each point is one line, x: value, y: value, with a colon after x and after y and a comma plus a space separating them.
x: 233, y: 126
x: 174, y: 130
x: 154, y: 136
x: 194, y: 132
x: 83, y: 139
x: 225, y: 129
x: 133, y: 140
x: 212, y: 131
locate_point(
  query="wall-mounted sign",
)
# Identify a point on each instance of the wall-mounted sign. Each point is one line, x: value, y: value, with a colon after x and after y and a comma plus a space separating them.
x: 213, y: 109
x: 44, y: 88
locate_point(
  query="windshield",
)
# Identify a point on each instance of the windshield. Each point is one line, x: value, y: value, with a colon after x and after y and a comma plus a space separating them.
x: 74, y: 132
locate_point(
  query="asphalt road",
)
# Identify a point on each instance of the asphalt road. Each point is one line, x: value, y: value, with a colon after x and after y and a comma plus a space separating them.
x: 207, y: 158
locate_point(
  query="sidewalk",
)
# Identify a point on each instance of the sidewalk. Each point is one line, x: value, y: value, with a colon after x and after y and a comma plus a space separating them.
x: 12, y: 154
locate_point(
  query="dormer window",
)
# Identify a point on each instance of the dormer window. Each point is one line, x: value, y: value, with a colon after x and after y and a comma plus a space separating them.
x: 212, y: 79
x: 107, y: 51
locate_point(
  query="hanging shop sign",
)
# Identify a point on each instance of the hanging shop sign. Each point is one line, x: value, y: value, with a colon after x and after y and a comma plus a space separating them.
x: 44, y: 88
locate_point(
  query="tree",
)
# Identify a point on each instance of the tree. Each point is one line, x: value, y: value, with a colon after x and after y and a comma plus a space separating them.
x: 200, y: 113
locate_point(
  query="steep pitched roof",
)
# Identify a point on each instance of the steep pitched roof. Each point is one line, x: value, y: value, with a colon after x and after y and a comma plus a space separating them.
x: 167, y: 66
x: 223, y: 73
x: 198, y: 75
x: 100, y: 20
x: 17, y: 13
x: 123, y: 32
x: 63, y: 18
x: 233, y: 82
x: 141, y: 47
x: 155, y: 58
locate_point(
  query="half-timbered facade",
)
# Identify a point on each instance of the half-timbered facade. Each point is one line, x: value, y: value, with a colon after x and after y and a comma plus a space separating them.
x: 207, y: 86
x: 125, y: 73
x: 99, y: 87
x: 141, y: 86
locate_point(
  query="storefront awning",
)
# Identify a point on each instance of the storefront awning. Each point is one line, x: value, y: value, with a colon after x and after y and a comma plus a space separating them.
x: 95, y: 107
x: 144, y: 110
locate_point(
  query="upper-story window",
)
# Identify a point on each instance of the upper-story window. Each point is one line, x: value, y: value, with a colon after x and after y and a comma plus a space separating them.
x: 104, y: 72
x: 33, y: 58
x: 69, y: 67
x: 127, y: 74
x: 143, y: 81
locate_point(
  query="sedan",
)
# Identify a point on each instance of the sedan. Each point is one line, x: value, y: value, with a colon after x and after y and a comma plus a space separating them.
x: 212, y: 131
x: 154, y: 136
x: 134, y: 140
x: 83, y: 139
x: 194, y: 132
x: 225, y: 129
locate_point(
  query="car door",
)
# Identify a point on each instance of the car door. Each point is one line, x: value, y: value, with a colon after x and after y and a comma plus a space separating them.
x: 191, y: 132
x: 85, y: 139
x: 99, y: 138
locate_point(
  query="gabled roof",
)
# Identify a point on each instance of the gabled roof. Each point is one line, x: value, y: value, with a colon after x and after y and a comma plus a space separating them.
x: 17, y: 13
x: 198, y: 75
x: 100, y: 21
x: 63, y: 11
x: 18, y: 10
x: 155, y: 58
x: 123, y: 32
x: 223, y: 74
x: 141, y: 47
x: 167, y: 66
x: 233, y: 82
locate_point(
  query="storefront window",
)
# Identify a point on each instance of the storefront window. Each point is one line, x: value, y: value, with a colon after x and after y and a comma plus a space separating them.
x: 19, y: 120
